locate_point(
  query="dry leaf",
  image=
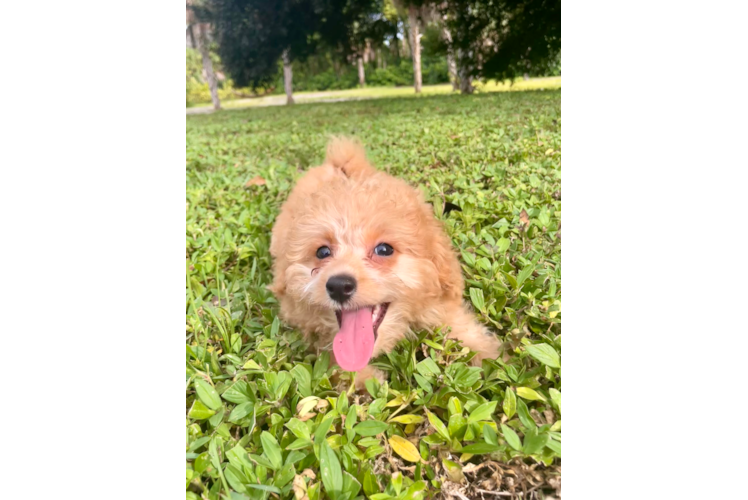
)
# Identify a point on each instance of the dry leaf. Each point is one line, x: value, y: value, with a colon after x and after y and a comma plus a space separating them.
x: 255, y: 181
x: 299, y: 488
x: 309, y: 473
x: 524, y: 219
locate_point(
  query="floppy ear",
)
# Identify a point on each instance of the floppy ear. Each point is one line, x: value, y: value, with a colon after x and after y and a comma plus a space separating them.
x: 348, y: 156
x: 278, y: 286
x: 443, y: 256
x: 448, y: 268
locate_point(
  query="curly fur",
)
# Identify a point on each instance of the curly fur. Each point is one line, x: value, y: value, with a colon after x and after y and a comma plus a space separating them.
x: 351, y: 207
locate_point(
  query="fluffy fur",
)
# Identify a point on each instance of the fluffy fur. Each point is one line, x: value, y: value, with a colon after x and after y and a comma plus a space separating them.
x: 351, y: 207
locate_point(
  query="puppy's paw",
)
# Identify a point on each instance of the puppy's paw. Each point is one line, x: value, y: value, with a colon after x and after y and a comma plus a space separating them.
x: 365, y: 374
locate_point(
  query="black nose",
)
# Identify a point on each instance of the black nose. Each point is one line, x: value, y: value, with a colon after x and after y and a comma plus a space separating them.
x: 341, y: 287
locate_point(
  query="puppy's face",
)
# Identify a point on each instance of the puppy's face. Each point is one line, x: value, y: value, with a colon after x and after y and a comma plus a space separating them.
x: 367, y: 251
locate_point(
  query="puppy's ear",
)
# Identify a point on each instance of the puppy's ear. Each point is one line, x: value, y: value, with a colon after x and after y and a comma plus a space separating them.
x: 348, y: 156
x: 443, y: 256
x: 448, y: 268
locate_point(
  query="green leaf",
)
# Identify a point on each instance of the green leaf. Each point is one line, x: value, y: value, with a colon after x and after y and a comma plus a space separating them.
x: 214, y: 450
x: 454, y: 406
x: 303, y: 377
x: 510, y: 403
x: 456, y: 426
x: 299, y: 444
x: 511, y: 279
x: 299, y: 428
x: 555, y: 446
x: 428, y: 368
x: 371, y: 486
x: 332, y: 474
x: 397, y: 482
x: 524, y: 415
x: 271, y: 449
x: 423, y: 383
x: 437, y: 424
x: 544, y: 353
x: 524, y: 274
x: 207, y: 394
x: 534, y: 442
x: 511, y: 437
x: 480, y: 448
x: 201, y: 462
x: 275, y: 327
x: 489, y: 435
x: 370, y: 428
x: 476, y: 297
x: 529, y: 394
x: 433, y: 344
x: 351, y: 486
x: 237, y: 393
x: 321, y: 366
x: 323, y: 428
x: 264, y: 487
x: 415, y: 491
x: 235, y: 478
x: 199, y: 411
x: 241, y: 411
x: 555, y: 397
x: 482, y: 412
x: 284, y: 476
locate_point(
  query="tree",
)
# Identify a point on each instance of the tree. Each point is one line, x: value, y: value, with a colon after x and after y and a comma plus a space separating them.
x: 199, y: 38
x: 413, y: 8
x: 502, y: 38
x: 254, y: 35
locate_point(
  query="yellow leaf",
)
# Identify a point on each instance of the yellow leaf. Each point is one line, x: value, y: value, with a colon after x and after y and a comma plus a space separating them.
x: 395, y: 402
x: 408, y: 419
x: 405, y: 449
x: 527, y: 393
x: 306, y: 405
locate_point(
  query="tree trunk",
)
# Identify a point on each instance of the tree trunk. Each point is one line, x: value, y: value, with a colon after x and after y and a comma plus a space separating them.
x: 361, y: 74
x: 451, y: 64
x: 202, y: 45
x: 415, y: 44
x: 288, y: 77
x: 526, y: 76
x: 368, y: 54
x: 466, y: 80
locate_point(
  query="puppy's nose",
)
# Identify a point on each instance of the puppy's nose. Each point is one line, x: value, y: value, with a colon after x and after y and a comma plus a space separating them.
x: 341, y: 287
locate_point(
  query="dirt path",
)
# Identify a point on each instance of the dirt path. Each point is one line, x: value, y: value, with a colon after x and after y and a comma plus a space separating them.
x: 276, y: 100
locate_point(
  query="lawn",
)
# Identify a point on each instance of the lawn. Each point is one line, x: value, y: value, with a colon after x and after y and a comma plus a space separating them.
x: 553, y: 82
x: 267, y: 419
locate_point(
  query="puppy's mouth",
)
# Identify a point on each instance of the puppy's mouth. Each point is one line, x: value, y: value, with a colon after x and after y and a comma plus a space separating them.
x: 354, y: 342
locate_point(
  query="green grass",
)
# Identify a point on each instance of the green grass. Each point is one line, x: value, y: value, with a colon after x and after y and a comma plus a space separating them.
x: 267, y: 419
x: 553, y: 82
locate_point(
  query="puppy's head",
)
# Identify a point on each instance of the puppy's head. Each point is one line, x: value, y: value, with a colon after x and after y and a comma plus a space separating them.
x: 356, y: 244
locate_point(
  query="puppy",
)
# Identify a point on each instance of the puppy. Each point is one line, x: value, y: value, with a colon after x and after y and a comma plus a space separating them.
x: 359, y: 260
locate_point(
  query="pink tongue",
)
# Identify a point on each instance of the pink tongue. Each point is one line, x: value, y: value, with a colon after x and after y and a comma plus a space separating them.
x: 354, y: 343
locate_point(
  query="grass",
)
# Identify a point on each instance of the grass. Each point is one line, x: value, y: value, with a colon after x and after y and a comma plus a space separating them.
x: 267, y: 419
x: 380, y: 92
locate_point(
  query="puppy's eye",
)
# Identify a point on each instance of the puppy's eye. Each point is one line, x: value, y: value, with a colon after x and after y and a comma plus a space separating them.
x: 383, y: 250
x: 323, y: 252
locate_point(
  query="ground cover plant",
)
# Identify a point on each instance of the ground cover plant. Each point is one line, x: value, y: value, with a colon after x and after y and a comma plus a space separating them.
x: 266, y: 418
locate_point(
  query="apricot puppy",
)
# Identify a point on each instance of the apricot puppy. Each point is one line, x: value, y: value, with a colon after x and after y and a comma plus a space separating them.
x: 359, y: 260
